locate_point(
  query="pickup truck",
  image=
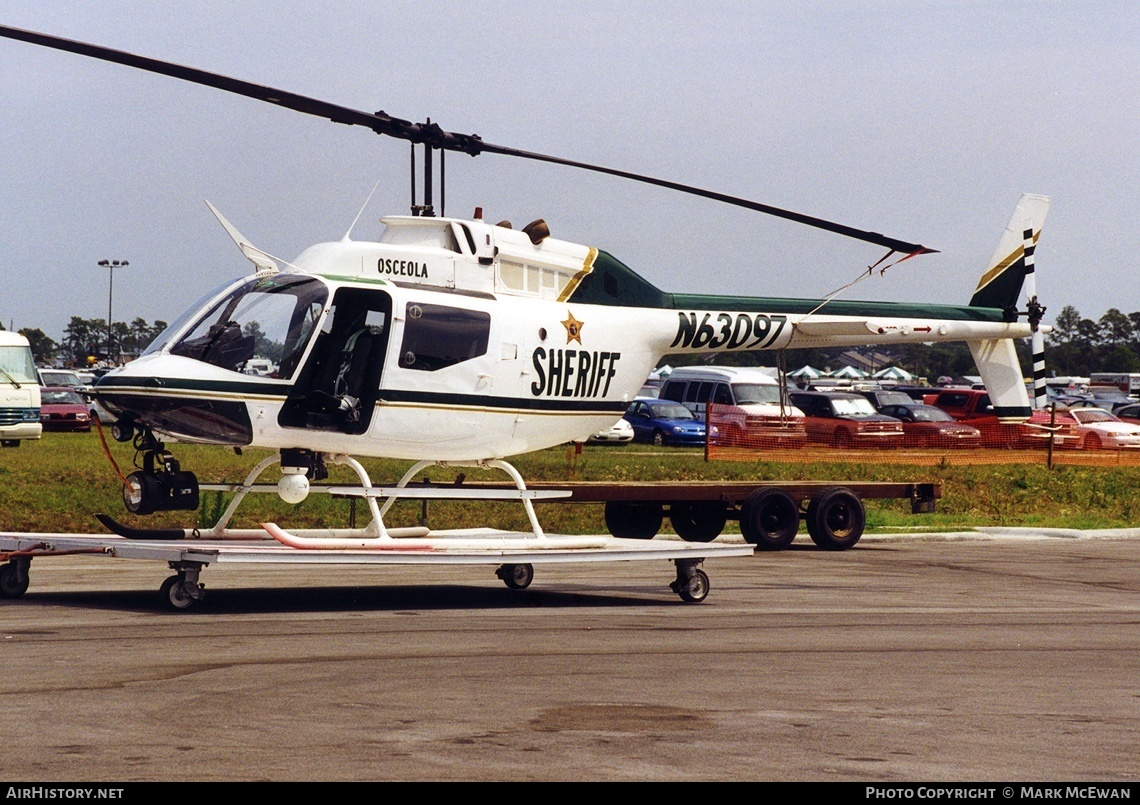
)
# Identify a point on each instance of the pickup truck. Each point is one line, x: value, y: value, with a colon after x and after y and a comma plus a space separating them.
x: 973, y: 406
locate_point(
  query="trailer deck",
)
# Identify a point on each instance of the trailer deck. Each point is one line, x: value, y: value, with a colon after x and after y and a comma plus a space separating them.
x: 514, y: 554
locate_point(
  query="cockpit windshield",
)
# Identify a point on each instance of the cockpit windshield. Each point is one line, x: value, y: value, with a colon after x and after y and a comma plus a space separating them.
x: 269, y: 317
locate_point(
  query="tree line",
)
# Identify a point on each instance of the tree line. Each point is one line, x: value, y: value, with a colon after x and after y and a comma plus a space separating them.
x: 87, y: 341
x: 1079, y: 346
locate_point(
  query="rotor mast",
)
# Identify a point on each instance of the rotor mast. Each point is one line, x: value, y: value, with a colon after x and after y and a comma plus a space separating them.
x: 427, y: 209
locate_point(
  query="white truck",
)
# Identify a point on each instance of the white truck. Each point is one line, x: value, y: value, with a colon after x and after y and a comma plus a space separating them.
x: 19, y: 391
x: 749, y: 408
x: 1127, y: 382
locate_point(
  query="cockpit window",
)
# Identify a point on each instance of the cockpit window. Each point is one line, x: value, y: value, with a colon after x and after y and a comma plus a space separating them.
x: 271, y: 318
x: 175, y: 327
x: 437, y: 336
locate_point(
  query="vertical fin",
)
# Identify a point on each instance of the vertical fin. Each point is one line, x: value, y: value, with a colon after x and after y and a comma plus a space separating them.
x: 997, y: 363
x: 1000, y: 285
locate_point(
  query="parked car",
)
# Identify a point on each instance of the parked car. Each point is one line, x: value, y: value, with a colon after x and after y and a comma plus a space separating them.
x: 60, y: 377
x: 844, y: 419
x: 618, y: 433
x: 916, y: 393
x: 973, y: 406
x: 1109, y: 397
x: 928, y: 426
x: 746, y: 404
x: 664, y: 422
x: 882, y: 397
x: 1097, y: 428
x: 1129, y: 413
x: 62, y: 408
x: 261, y: 367
x: 1041, y: 426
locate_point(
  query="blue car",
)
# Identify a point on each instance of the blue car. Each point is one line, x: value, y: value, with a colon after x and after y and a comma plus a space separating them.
x: 664, y: 422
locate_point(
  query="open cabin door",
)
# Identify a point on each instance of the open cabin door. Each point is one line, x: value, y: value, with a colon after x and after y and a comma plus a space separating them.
x: 338, y: 386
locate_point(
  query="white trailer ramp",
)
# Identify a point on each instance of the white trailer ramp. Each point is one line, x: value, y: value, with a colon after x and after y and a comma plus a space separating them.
x: 514, y: 555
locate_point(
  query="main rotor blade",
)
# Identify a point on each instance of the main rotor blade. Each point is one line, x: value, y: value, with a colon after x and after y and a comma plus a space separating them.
x: 427, y: 133
x: 819, y: 223
x: 379, y: 122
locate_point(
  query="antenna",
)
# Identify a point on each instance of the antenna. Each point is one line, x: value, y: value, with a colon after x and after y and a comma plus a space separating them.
x: 346, y: 238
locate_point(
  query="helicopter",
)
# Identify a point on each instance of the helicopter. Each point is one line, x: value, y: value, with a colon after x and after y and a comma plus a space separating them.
x: 461, y: 341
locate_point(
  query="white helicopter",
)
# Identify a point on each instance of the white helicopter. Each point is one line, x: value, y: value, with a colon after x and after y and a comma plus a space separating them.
x: 461, y: 341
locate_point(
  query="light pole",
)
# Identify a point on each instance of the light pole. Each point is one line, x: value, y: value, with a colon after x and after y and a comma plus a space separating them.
x: 112, y: 265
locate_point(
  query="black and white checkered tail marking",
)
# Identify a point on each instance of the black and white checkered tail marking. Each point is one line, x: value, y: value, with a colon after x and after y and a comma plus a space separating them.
x: 1034, y: 311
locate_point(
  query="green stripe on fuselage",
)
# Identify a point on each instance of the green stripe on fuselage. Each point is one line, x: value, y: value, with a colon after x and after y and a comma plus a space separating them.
x: 899, y: 310
x: 612, y: 282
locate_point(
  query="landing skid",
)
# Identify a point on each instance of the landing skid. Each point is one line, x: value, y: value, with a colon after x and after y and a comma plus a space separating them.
x: 372, y: 495
x: 126, y: 531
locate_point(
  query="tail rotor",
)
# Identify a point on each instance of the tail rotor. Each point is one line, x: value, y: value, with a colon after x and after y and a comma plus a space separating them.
x: 1034, y: 312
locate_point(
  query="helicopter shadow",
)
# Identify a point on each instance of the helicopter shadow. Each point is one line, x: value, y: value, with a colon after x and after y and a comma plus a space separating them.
x: 356, y: 598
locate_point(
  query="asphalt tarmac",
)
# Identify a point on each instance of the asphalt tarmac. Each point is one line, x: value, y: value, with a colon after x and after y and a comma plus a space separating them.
x: 969, y: 657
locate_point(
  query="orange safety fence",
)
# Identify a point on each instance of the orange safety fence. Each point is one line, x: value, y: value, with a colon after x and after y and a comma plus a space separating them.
x: 1047, y: 438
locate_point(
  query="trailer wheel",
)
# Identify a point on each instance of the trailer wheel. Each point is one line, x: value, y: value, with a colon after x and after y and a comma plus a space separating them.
x: 13, y: 583
x: 694, y: 589
x: 769, y: 519
x: 835, y: 518
x: 698, y: 521
x: 633, y: 520
x: 175, y: 595
x: 517, y: 577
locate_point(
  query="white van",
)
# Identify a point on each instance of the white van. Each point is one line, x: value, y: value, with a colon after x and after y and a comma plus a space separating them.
x: 262, y: 367
x: 19, y: 391
x: 746, y: 402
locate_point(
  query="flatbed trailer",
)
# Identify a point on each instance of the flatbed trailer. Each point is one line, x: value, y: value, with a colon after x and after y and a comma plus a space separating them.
x: 769, y: 512
x: 514, y: 556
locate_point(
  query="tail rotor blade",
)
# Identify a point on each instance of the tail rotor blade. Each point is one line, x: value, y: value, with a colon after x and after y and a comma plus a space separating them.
x: 1034, y: 312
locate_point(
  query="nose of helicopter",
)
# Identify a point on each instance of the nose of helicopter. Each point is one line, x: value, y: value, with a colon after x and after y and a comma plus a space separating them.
x: 176, y: 398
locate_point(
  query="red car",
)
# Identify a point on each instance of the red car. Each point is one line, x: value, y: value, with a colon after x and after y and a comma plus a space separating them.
x: 973, y: 407
x: 928, y: 426
x: 61, y: 408
x: 846, y: 420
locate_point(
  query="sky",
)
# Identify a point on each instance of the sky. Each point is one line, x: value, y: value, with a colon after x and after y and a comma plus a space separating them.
x: 921, y: 119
